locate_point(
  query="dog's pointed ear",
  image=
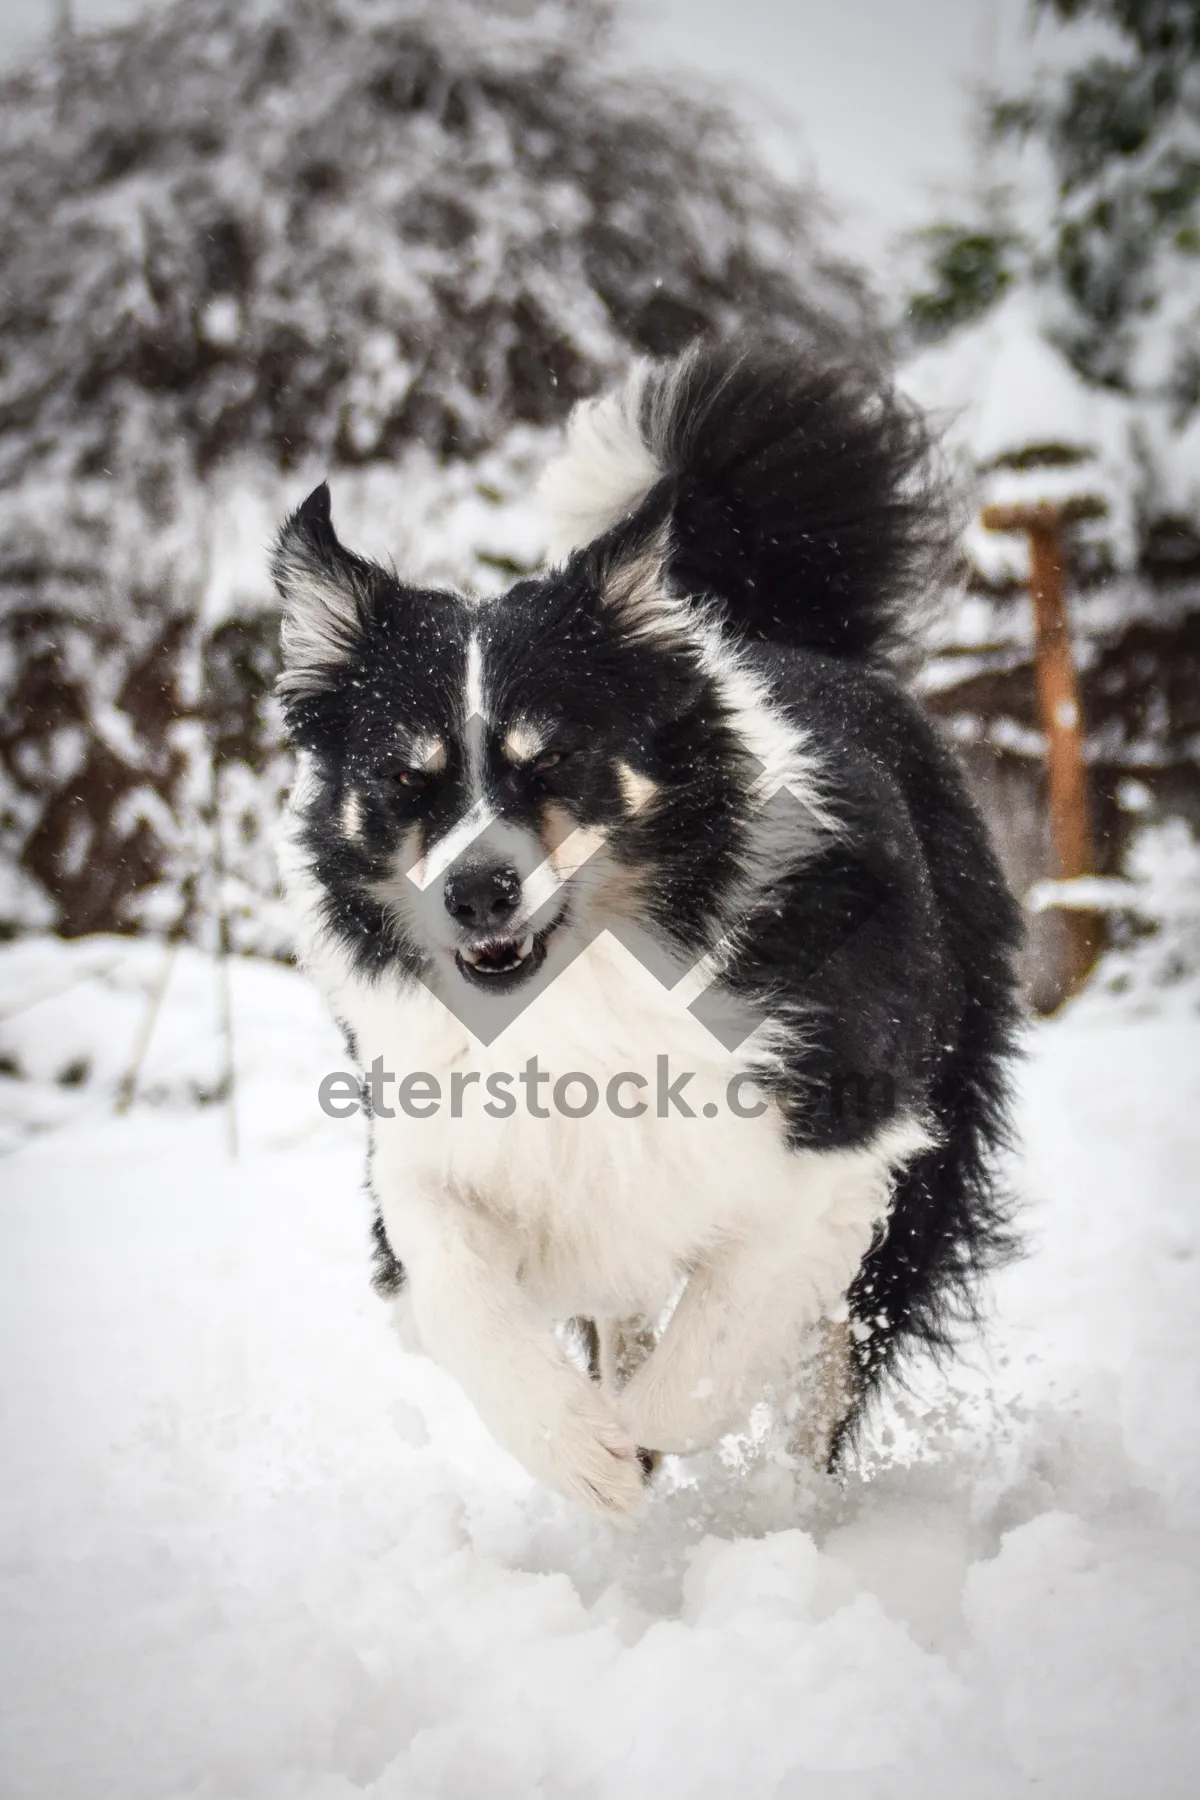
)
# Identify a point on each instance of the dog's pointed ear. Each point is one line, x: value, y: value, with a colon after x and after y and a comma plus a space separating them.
x: 325, y: 591
x: 632, y: 581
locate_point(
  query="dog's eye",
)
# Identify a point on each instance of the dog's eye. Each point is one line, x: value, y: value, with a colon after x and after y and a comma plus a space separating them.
x: 410, y: 778
x: 551, y: 760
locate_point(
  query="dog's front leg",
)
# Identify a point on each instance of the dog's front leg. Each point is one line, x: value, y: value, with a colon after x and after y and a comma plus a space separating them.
x: 748, y: 1309
x: 694, y: 1384
x: 738, y: 1325
x: 474, y: 1319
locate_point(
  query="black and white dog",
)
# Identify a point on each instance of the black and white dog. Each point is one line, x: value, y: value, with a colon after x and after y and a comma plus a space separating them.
x: 672, y: 921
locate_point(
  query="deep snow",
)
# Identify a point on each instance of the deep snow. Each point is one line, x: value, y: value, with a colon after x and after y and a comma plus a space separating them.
x: 251, y: 1547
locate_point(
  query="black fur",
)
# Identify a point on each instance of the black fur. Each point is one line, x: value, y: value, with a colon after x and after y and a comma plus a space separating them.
x: 923, y: 991
x: 799, y: 496
x: 387, y: 1271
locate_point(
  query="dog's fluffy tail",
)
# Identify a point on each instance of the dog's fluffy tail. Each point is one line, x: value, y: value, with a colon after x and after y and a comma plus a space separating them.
x: 799, y: 491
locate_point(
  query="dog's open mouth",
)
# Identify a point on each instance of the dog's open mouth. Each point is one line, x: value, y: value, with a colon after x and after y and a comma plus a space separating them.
x: 503, y: 962
x: 501, y: 956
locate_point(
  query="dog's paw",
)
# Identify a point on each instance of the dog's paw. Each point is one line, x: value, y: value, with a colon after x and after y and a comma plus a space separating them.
x: 586, y: 1453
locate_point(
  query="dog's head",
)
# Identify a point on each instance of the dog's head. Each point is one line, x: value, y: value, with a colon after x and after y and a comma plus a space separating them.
x: 494, y: 781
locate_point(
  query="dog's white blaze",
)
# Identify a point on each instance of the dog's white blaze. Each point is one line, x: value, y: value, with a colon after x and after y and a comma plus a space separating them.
x: 439, y: 856
x: 351, y: 813
x: 474, y: 718
x: 474, y: 699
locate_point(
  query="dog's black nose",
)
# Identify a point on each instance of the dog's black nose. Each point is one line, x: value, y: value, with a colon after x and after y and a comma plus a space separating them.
x: 483, y: 896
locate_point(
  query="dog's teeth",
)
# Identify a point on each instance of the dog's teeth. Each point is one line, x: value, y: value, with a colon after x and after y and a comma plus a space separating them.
x: 498, y: 959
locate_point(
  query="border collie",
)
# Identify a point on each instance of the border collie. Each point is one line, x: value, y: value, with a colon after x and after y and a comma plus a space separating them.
x: 662, y: 821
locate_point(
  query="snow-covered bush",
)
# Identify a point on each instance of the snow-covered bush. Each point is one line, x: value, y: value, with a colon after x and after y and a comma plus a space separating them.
x: 245, y: 245
x: 1114, y: 237
x: 1053, y: 329
x: 1057, y: 321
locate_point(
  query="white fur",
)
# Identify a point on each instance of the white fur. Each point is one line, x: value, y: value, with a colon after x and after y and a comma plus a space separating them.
x: 789, y: 762
x: 507, y: 1224
x: 605, y: 472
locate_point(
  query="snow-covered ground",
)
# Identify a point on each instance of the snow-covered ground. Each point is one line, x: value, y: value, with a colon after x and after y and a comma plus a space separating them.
x: 252, y: 1548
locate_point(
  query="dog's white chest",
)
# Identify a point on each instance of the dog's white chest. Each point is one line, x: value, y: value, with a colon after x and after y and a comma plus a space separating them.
x: 613, y: 1181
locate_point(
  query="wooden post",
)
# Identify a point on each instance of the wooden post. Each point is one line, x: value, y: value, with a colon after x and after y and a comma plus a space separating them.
x: 1059, y: 710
